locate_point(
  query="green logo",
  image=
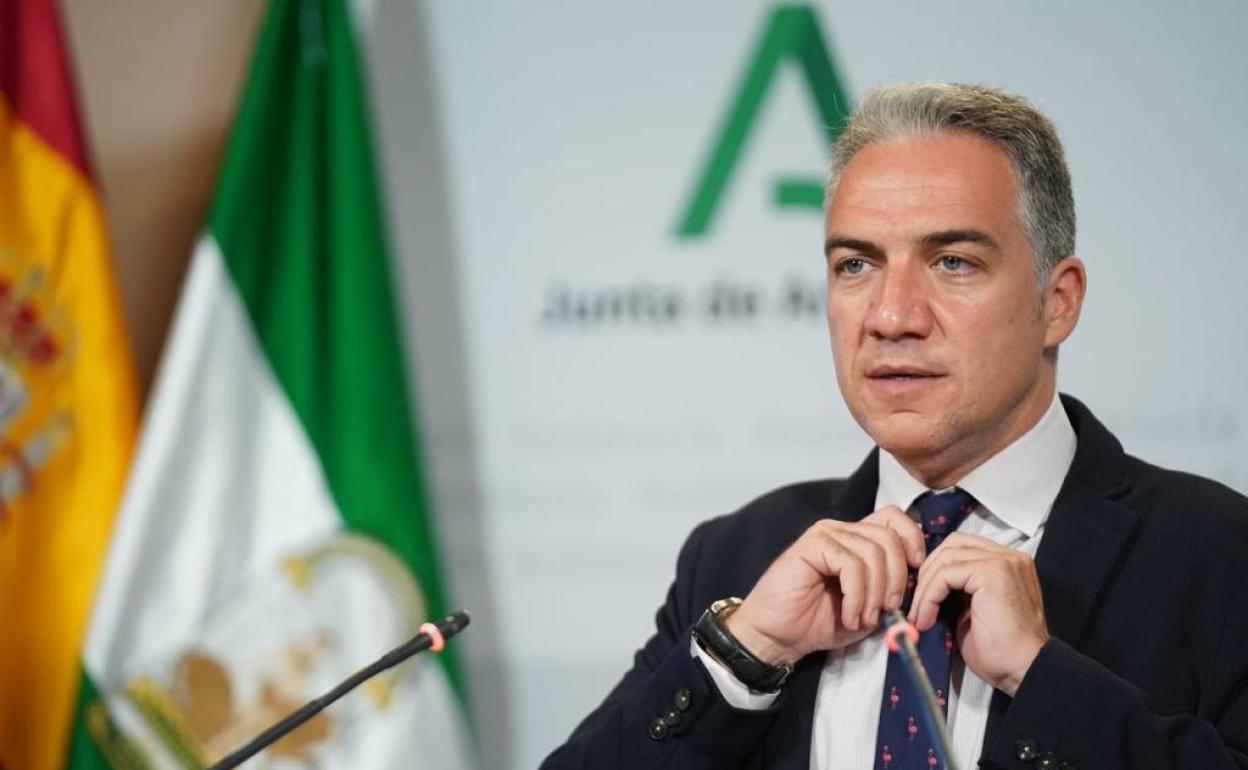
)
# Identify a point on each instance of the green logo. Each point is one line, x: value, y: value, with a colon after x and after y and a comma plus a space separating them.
x: 792, y: 34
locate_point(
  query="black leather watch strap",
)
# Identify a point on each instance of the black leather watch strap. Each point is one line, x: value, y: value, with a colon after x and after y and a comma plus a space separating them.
x: 714, y: 637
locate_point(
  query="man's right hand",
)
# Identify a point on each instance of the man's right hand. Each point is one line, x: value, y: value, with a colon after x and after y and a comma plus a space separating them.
x: 828, y: 589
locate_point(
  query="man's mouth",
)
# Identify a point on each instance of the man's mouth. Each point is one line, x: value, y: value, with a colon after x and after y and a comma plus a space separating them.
x: 901, y: 373
x: 902, y: 381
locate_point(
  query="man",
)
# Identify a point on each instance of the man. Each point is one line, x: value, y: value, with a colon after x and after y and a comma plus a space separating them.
x: 1078, y: 607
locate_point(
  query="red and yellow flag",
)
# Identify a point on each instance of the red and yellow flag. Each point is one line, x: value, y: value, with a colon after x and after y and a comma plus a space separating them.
x: 68, y: 403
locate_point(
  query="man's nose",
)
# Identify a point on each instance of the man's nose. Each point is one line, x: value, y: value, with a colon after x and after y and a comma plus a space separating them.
x: 900, y: 308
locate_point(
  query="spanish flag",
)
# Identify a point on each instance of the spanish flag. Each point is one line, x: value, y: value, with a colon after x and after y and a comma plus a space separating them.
x: 68, y: 403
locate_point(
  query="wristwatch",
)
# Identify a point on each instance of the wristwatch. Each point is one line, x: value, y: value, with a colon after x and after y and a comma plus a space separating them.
x: 714, y: 637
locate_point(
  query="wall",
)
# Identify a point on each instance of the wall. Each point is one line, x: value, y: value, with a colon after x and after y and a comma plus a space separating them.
x: 157, y: 84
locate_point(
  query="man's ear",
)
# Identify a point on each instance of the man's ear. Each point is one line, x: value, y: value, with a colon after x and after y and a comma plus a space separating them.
x: 1063, y: 300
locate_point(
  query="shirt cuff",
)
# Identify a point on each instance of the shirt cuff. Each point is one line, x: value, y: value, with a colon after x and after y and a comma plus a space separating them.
x: 734, y: 692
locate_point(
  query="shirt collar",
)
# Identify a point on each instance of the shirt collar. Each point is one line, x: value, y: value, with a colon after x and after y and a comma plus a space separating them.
x: 1017, y: 485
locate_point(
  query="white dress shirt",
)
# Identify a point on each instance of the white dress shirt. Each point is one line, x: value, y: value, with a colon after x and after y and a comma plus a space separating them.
x: 1015, y: 489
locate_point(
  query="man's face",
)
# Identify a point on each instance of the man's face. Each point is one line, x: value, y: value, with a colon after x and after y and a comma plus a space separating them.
x: 933, y: 308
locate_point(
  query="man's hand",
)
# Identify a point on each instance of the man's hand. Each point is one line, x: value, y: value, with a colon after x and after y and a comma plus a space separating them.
x: 1002, y: 631
x: 828, y: 589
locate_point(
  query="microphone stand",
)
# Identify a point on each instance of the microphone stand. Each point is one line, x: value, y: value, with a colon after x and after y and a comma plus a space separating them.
x: 447, y: 627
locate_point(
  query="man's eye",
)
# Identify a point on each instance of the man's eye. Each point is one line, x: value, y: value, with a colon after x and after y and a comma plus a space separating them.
x: 953, y: 264
x: 852, y: 266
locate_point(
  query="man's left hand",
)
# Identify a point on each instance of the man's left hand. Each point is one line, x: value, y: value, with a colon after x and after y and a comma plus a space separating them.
x: 1002, y: 631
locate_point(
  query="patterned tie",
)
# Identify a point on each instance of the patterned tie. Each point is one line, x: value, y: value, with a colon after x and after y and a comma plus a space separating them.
x: 902, y: 741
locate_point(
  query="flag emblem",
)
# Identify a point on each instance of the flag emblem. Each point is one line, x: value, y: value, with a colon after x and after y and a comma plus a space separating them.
x: 35, y: 357
x: 277, y: 641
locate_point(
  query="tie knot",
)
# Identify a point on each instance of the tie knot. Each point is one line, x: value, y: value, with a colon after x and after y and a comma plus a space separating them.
x: 942, y: 512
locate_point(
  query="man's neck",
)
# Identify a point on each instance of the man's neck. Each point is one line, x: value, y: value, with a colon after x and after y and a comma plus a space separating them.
x: 946, y: 468
x: 1017, y: 484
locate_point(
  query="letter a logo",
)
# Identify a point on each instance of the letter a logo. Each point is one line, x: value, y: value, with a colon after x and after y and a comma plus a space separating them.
x: 792, y: 35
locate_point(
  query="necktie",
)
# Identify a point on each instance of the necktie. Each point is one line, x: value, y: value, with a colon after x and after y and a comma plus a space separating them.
x: 902, y: 740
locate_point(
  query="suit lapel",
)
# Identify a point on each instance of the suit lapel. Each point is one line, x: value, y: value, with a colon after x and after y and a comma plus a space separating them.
x: 788, y: 741
x: 856, y: 497
x: 1084, y: 536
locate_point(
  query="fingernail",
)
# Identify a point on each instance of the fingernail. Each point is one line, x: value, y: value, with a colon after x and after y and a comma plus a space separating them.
x: 894, y: 601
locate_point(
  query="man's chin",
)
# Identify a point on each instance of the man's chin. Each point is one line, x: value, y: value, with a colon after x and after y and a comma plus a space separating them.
x: 907, y: 434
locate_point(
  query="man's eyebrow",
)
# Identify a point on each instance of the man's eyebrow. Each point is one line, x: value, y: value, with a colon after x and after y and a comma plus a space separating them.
x: 939, y: 238
x: 949, y: 237
x: 853, y: 244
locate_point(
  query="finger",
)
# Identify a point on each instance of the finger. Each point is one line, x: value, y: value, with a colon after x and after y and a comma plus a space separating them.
x: 874, y: 557
x: 871, y: 556
x: 828, y: 555
x: 908, y: 529
x: 852, y: 576
x: 955, y: 547
x: 931, y: 592
x: 941, y: 558
x: 964, y: 540
x: 896, y: 562
x: 953, y: 576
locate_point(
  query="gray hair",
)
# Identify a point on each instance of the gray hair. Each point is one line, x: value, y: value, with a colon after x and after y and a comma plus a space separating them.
x: 1046, y: 207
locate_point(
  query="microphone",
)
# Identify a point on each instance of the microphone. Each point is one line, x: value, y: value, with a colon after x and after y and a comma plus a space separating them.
x: 901, y: 637
x: 432, y: 636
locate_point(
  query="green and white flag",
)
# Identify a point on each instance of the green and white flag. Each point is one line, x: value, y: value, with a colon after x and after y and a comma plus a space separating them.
x: 275, y: 535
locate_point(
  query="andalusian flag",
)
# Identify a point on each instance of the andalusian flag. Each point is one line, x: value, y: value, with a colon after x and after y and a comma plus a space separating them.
x: 67, y: 392
x: 275, y: 535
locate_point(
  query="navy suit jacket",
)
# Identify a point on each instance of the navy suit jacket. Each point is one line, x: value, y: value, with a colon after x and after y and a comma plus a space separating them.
x: 1145, y: 580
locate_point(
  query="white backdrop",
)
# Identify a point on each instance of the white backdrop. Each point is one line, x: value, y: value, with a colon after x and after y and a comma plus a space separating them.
x: 539, y: 156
